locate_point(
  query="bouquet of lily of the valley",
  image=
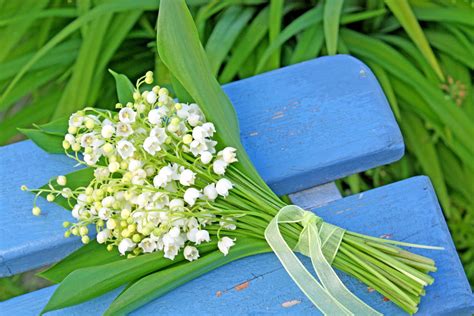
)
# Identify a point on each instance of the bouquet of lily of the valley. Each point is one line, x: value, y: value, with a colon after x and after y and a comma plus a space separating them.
x: 167, y: 193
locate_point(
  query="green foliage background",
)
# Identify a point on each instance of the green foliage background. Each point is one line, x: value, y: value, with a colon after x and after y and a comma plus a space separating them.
x: 54, y: 56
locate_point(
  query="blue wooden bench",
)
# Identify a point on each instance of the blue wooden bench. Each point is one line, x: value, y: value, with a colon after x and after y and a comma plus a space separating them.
x: 303, y: 126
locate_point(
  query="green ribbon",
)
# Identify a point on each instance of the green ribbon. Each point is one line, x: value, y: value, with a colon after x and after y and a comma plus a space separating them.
x: 320, y: 241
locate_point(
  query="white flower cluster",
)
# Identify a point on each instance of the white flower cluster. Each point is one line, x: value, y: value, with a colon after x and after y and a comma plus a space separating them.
x: 157, y: 176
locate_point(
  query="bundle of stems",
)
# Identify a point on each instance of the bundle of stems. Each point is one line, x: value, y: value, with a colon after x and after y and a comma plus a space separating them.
x: 381, y: 264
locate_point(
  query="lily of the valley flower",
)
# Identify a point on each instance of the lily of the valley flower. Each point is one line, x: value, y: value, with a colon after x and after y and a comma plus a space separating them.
x: 224, y: 245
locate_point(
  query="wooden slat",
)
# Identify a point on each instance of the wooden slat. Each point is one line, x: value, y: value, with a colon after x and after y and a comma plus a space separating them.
x: 407, y: 211
x: 302, y: 126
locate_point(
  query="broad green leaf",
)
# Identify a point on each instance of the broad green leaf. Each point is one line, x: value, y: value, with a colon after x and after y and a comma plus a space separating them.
x: 75, y: 179
x: 332, y: 13
x: 90, y: 255
x: 177, y: 33
x: 301, y: 23
x: 49, y: 143
x: 402, y: 10
x: 57, y: 127
x: 97, y: 280
x: 160, y: 283
x: 124, y: 86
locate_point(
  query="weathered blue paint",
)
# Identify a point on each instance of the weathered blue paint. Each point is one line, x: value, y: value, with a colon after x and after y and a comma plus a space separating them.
x: 302, y: 126
x: 407, y: 210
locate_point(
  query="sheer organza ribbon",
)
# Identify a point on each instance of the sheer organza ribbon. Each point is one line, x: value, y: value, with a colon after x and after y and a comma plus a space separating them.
x: 320, y: 241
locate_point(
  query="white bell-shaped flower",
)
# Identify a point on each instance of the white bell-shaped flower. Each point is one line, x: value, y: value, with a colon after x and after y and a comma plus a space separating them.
x: 190, y: 253
x: 210, y: 191
x: 223, y: 186
x: 126, y: 245
x: 127, y: 116
x: 224, y: 245
x: 191, y: 195
x: 187, y: 177
x: 219, y: 166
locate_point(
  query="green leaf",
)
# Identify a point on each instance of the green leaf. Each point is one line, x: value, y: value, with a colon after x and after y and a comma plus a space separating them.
x: 97, y: 280
x: 90, y: 255
x: 419, y: 142
x: 402, y: 11
x: 332, y: 13
x: 177, y: 33
x: 224, y: 34
x: 124, y: 86
x: 309, y: 44
x: 274, y: 28
x: 384, y: 81
x: 160, y: 283
x: 99, y: 11
x: 50, y: 143
x: 307, y: 19
x: 252, y: 35
x: 38, y: 111
x: 56, y: 127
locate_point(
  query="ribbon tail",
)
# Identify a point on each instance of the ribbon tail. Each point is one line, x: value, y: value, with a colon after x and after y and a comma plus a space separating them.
x: 330, y: 279
x: 318, y: 295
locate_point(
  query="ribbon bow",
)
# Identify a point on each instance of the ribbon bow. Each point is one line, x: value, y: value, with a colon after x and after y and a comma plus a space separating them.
x: 320, y: 241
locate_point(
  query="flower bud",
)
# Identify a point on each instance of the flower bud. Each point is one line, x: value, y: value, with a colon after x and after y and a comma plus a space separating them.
x: 187, y: 139
x: 107, y: 148
x: 50, y: 197
x: 61, y: 180
x: 85, y: 239
x: 66, y: 144
x: 76, y: 147
x: 90, y: 124
x: 136, y: 238
x: 125, y: 213
x: 36, y: 211
x: 72, y: 130
x: 67, y: 234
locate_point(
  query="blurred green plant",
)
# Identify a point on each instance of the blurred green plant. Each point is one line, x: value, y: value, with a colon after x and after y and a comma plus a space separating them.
x: 55, y: 55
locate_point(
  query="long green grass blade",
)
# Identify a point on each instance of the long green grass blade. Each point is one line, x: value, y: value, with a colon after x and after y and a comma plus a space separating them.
x: 332, y: 14
x: 402, y: 10
x: 274, y: 29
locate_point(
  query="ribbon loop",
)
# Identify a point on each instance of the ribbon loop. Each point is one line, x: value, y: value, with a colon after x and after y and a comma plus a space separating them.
x: 319, y: 241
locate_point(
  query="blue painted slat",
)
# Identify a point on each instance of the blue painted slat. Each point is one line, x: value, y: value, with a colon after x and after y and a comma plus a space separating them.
x: 302, y: 125
x: 319, y: 121
x: 407, y: 210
